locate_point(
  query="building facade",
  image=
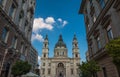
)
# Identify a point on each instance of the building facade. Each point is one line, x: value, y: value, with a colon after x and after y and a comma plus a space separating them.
x: 33, y: 59
x: 102, y: 22
x: 87, y: 56
x: 60, y: 65
x: 16, y: 22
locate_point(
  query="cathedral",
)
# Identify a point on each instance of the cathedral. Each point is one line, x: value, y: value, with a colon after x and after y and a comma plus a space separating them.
x: 60, y: 65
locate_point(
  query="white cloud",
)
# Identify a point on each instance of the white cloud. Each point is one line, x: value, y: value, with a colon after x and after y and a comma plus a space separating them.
x: 39, y: 24
x: 50, y: 20
x: 59, y: 19
x: 37, y: 37
x: 48, y: 23
x: 64, y: 23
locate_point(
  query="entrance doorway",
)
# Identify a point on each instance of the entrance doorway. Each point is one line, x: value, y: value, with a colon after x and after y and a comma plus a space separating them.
x: 60, y: 70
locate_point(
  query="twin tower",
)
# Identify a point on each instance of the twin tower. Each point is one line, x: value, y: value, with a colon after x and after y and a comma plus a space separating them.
x: 60, y: 49
x: 60, y: 65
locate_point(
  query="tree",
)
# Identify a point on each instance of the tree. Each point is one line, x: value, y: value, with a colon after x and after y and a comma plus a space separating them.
x: 89, y: 69
x: 113, y: 49
x: 20, y: 68
x: 37, y: 71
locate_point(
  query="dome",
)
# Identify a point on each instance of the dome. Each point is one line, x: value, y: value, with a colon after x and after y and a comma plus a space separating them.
x: 60, y: 42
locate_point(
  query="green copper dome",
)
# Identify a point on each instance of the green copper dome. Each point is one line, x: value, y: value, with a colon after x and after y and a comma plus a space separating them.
x: 60, y: 42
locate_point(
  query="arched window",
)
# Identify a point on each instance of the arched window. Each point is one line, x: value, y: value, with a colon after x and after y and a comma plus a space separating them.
x: 76, y: 55
x: 57, y: 53
x: 45, y: 45
x: 44, y: 55
x: 60, y: 65
x: 4, y: 35
x: 75, y: 45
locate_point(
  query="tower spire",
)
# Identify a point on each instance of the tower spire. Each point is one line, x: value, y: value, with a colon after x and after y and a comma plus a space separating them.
x: 45, y: 50
x: 74, y: 37
x: 46, y: 38
x: 75, y: 47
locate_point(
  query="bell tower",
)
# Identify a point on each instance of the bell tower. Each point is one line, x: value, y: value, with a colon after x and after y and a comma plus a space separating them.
x: 45, y: 49
x: 75, y: 48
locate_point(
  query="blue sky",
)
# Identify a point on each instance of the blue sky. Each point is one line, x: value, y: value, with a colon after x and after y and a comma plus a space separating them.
x: 55, y: 17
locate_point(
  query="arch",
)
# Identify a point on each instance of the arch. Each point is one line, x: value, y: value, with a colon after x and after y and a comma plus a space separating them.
x: 60, y: 65
x: 60, y: 70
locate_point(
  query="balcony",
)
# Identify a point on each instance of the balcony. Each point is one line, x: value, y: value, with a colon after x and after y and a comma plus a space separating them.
x: 13, y: 54
x: 2, y: 43
x: 11, y: 50
x: 22, y: 57
x: 98, y: 54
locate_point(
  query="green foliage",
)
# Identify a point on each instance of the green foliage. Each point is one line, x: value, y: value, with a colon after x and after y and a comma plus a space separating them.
x: 20, y: 68
x: 89, y: 69
x: 37, y: 71
x: 113, y: 49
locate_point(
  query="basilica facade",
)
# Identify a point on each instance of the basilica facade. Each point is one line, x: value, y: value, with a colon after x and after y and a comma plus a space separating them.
x: 60, y: 65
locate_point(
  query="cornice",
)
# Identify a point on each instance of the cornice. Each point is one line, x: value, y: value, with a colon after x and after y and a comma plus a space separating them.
x: 100, y: 17
x: 82, y: 6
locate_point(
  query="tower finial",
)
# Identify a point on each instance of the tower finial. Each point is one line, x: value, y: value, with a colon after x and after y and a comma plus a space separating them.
x: 74, y: 37
x: 60, y: 37
x: 46, y: 37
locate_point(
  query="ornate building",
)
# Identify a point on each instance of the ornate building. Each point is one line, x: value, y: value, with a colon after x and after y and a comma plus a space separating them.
x: 60, y: 65
x: 102, y: 22
x: 16, y: 23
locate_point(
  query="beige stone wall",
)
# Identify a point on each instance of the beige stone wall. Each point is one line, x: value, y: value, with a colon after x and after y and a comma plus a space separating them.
x: 106, y: 62
x: 54, y: 63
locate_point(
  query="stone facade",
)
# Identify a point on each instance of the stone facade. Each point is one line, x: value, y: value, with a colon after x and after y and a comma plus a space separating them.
x: 60, y: 65
x: 102, y: 21
x: 87, y: 56
x: 16, y: 22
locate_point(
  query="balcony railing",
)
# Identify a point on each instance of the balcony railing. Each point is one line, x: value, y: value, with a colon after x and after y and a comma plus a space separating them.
x: 101, y: 52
